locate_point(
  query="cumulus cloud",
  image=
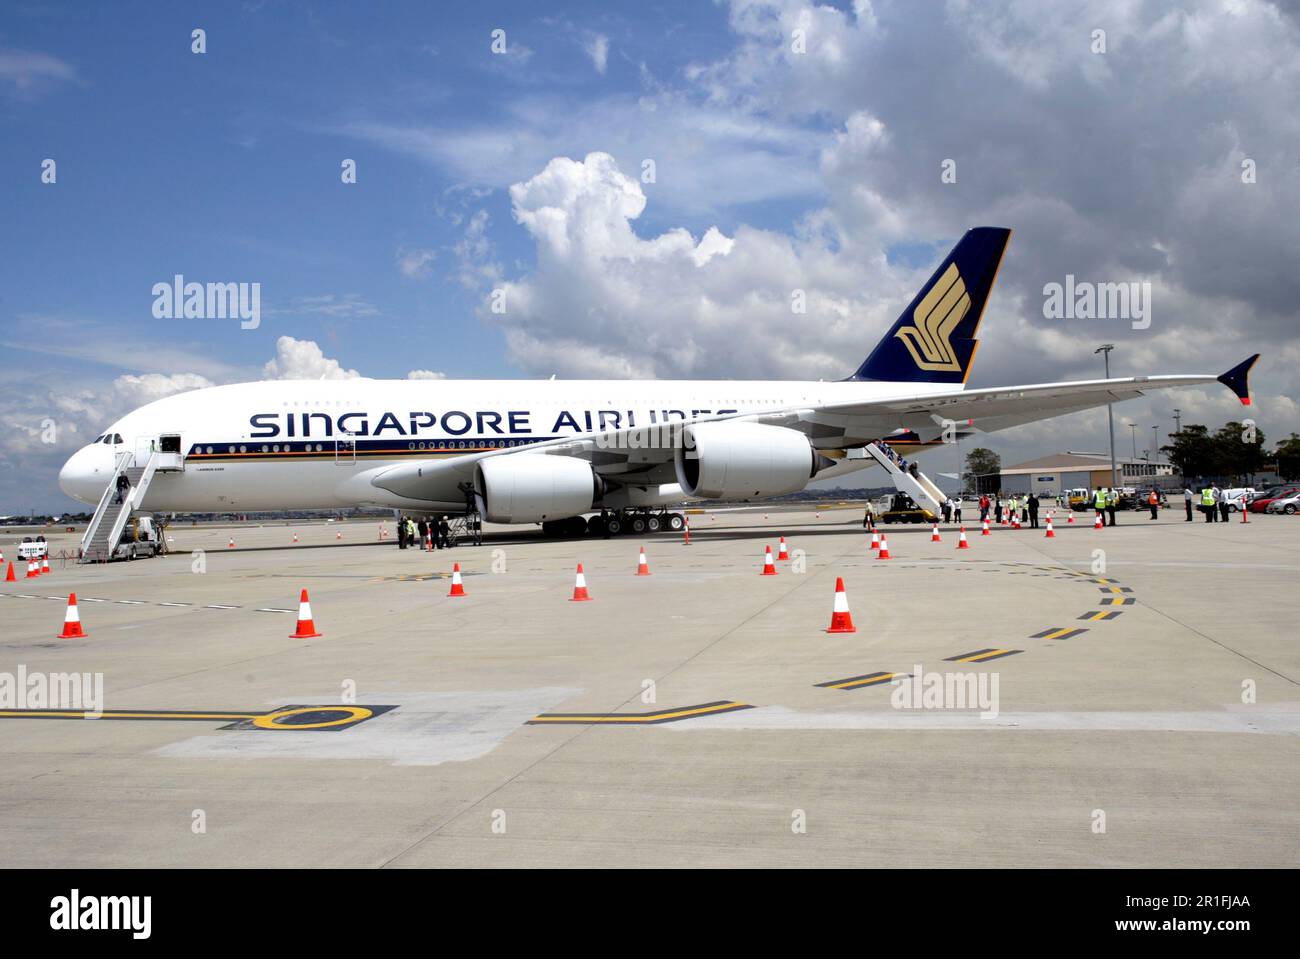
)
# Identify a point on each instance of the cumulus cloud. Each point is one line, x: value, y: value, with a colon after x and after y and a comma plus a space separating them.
x: 425, y: 375
x: 415, y: 264
x: 304, y: 360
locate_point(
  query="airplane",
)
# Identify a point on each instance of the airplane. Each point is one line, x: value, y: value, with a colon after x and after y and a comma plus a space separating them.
x: 549, y: 452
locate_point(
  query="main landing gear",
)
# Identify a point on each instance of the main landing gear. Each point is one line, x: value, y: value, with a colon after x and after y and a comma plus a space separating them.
x: 616, y: 522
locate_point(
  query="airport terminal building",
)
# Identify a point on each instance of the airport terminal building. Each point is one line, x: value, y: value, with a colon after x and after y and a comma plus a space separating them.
x: 1052, y: 475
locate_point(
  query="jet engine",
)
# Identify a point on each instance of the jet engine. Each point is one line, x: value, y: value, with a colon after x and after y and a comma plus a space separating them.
x: 531, y: 487
x: 732, y: 460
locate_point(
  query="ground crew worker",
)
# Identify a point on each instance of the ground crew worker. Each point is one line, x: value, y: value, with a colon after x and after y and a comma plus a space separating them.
x: 1222, y: 497
x: 997, y: 508
x: 956, y: 510
x: 401, y: 532
x: 1112, y: 504
x: 1153, y: 501
x: 946, y: 507
x: 1099, y: 504
x: 1207, y: 503
x: 1032, y: 506
x: 1187, y: 502
x: 984, y: 507
x: 423, y: 528
x: 444, y: 532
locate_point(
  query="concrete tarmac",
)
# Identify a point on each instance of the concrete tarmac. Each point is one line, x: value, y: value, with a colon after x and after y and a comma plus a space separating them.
x: 729, y: 728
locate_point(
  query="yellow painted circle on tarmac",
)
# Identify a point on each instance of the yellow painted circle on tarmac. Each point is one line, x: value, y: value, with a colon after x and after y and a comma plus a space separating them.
x: 354, y: 715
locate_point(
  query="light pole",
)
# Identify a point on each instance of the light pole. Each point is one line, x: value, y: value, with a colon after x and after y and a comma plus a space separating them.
x: 1178, y: 421
x: 1104, y: 350
x: 1133, y: 430
x: 1155, y: 440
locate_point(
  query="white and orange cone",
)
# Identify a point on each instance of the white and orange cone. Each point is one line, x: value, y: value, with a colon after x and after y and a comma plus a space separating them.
x: 642, y: 567
x: 580, y: 588
x: 31, y: 569
x: 231, y: 544
x: 457, y: 587
x: 934, y: 534
x: 295, y: 537
x: 72, y: 620
x: 686, y: 530
x: 1015, y: 521
x: 769, y: 567
x: 781, y: 554
x: 1096, y: 520
x: 306, y: 625
x: 985, y: 530
x: 961, y: 540
x: 884, y: 548
x: 1051, y: 534
x: 1069, y: 517
x: 841, y: 620
x: 875, y: 538
x: 45, y: 565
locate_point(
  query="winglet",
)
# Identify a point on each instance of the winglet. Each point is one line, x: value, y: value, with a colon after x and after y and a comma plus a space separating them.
x: 1237, y: 379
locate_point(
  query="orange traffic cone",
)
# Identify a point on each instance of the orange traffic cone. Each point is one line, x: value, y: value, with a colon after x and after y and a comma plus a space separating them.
x: 1050, y: 533
x: 769, y: 568
x: 884, y: 548
x: 428, y: 540
x: 457, y: 588
x: 875, y: 539
x: 686, y: 529
x: 1244, y: 510
x: 231, y: 544
x: 985, y: 530
x: 781, y: 554
x: 961, y: 541
x: 31, y: 569
x: 580, y: 588
x: 72, y: 620
x: 934, y: 534
x: 306, y: 626
x: 9, y: 576
x: 1096, y: 520
x: 338, y: 534
x: 1069, y: 518
x: 841, y: 621
x: 295, y: 537
x: 642, y: 567
x: 1015, y: 521
x: 45, y: 565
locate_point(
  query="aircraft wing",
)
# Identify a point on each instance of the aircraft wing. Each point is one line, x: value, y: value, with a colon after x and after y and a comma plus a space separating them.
x: 640, y: 455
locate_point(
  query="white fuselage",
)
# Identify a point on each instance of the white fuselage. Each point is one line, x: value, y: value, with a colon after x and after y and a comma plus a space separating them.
x: 317, y: 444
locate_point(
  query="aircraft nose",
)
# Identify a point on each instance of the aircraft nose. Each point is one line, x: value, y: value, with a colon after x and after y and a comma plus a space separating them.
x: 85, y: 474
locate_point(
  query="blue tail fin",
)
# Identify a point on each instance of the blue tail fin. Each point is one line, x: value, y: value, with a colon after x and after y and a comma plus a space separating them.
x: 934, y: 340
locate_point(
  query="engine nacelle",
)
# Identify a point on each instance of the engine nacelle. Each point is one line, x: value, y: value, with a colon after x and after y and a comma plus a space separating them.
x: 531, y: 487
x: 743, y: 460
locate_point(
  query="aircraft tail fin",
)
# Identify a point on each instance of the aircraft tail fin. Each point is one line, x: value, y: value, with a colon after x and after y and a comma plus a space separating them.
x: 933, y: 341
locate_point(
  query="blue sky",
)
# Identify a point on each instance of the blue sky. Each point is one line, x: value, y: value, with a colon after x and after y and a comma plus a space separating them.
x: 797, y: 146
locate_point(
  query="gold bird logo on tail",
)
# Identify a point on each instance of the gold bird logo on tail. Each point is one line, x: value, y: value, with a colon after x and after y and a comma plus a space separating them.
x: 936, y: 316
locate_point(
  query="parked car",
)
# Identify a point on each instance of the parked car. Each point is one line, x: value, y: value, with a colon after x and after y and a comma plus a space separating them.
x: 1238, y: 497
x: 1260, y: 503
x: 1290, y: 505
x: 33, y: 548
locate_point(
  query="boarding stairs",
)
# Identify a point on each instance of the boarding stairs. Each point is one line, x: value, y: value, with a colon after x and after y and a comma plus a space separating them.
x: 919, y: 486
x: 105, y: 529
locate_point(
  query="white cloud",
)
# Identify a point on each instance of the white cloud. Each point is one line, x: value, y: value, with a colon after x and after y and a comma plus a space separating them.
x: 415, y: 264
x: 425, y: 375
x: 596, y: 46
x: 304, y: 360
x: 28, y: 73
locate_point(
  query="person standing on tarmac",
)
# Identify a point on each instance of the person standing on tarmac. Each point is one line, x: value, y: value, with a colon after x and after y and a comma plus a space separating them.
x: 423, y: 529
x: 444, y: 532
x: 401, y: 532
x: 1031, y: 509
x: 1222, y: 497
x: 1207, y: 503
x: 1187, y: 502
x: 1112, y: 504
x: 956, y: 509
x: 997, y: 508
x: 946, y: 507
x: 1153, y: 500
x: 1099, y: 504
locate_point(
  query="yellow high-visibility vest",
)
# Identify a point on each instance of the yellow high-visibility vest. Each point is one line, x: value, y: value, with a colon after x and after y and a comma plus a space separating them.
x: 1207, y: 497
x: 1101, y: 500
